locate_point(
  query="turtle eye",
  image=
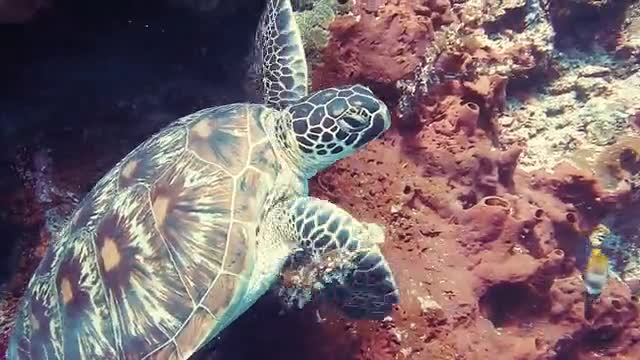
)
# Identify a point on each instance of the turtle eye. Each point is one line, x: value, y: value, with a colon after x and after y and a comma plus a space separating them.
x: 352, y: 121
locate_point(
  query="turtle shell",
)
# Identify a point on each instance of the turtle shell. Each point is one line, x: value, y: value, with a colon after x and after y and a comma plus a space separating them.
x: 161, y: 248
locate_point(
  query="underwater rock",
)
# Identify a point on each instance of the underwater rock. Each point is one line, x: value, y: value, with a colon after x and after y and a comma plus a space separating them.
x: 584, y: 22
x: 465, y: 48
x: 622, y: 244
x: 584, y: 110
x: 27, y: 220
x: 507, y: 246
x: 460, y: 212
x: 630, y: 43
x: 357, y: 52
x: 607, y: 333
x: 313, y: 18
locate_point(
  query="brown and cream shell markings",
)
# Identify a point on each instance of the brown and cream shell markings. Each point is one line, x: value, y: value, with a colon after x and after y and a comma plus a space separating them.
x: 160, y: 249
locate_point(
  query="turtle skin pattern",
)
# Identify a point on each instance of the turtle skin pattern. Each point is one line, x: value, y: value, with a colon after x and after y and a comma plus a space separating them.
x: 159, y: 250
x: 282, y: 66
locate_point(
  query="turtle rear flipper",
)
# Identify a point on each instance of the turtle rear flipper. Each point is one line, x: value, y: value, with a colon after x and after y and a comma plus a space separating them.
x: 279, y: 68
x: 356, y: 276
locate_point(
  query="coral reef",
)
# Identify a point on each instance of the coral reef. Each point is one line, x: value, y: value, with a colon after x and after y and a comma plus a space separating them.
x: 463, y: 49
x: 618, y: 162
x: 623, y: 245
x: 485, y: 225
x: 629, y: 45
x: 313, y: 18
x: 587, y: 107
x: 584, y: 22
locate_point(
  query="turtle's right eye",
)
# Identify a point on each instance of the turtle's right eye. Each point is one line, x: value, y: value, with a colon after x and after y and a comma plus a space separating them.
x: 353, y: 121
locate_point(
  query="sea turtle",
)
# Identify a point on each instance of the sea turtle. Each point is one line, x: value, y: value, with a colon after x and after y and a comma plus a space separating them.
x: 187, y: 231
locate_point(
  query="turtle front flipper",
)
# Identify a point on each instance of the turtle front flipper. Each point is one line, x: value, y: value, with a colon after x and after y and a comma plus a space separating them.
x: 343, y: 258
x: 280, y: 67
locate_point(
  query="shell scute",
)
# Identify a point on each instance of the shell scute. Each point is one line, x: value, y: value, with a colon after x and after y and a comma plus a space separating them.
x: 256, y: 131
x: 94, y: 205
x: 49, y: 260
x: 20, y: 345
x: 82, y: 215
x: 142, y: 165
x: 192, y: 207
x: 151, y: 158
x: 239, y: 256
x: 38, y: 311
x: 43, y: 322
x: 223, y: 295
x: 145, y: 293
x: 166, y: 237
x: 222, y: 138
x: 85, y: 320
x: 168, y: 352
x: 195, y: 332
x: 250, y: 191
x: 264, y: 159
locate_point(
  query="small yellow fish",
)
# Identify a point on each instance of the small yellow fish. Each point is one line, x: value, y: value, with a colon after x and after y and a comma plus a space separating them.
x: 596, y: 273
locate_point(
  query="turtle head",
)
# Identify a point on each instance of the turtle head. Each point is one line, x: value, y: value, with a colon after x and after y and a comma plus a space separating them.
x: 332, y: 124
